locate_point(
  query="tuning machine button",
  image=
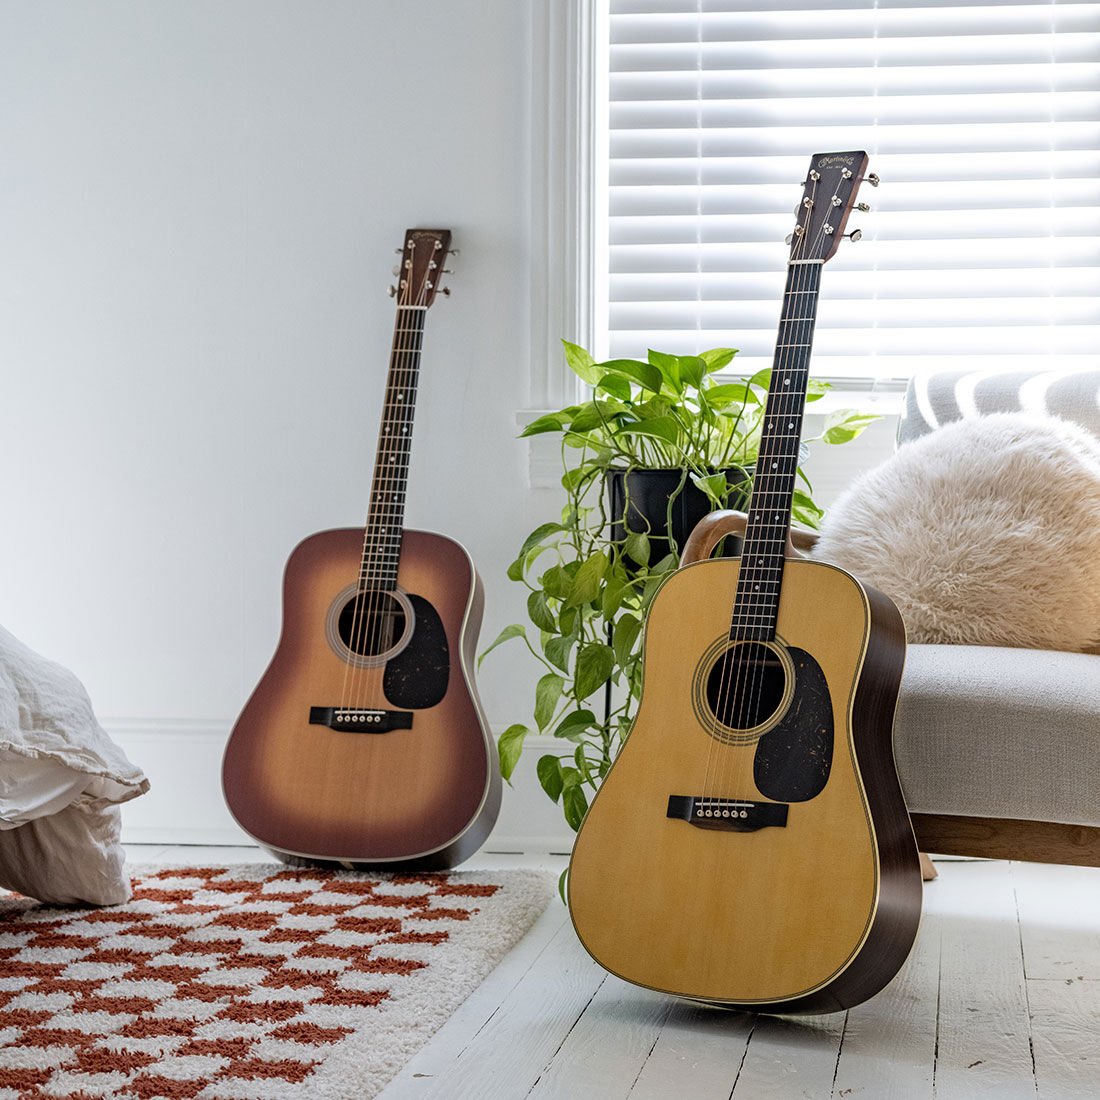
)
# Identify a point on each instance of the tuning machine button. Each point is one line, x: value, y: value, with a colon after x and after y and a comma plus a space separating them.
x: 864, y: 207
x: 873, y: 180
x: 392, y: 291
x: 855, y: 234
x: 445, y: 291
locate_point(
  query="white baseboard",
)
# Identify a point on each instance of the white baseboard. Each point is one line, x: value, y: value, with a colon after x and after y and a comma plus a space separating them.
x: 184, y: 804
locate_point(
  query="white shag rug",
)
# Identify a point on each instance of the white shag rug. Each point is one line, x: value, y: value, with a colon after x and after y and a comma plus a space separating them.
x: 984, y: 532
x: 247, y: 982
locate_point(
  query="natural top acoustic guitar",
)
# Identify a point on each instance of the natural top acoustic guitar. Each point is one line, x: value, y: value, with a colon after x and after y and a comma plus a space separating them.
x: 750, y: 846
x: 364, y: 742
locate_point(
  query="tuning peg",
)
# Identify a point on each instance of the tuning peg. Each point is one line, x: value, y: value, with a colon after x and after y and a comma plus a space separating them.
x: 448, y: 271
x: 864, y: 207
x: 855, y: 234
x: 396, y: 269
x: 454, y: 252
x: 445, y: 291
x: 873, y: 180
x: 391, y: 290
x: 788, y: 238
x: 399, y: 251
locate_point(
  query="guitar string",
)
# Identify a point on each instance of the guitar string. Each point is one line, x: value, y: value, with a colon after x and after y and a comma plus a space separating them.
x: 731, y: 661
x: 363, y: 571
x: 779, y: 481
x: 385, y: 560
x: 792, y: 366
x: 747, y: 653
x: 800, y: 362
x: 386, y: 557
x: 363, y: 596
x: 363, y: 633
x: 732, y: 658
x: 744, y: 670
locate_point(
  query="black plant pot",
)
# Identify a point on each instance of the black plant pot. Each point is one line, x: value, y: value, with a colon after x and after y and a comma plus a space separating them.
x: 638, y: 501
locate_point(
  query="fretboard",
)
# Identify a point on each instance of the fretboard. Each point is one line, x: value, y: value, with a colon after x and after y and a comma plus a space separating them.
x: 764, y: 550
x: 386, y: 518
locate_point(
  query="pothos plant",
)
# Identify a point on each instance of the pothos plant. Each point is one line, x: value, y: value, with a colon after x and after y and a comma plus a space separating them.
x: 590, y: 578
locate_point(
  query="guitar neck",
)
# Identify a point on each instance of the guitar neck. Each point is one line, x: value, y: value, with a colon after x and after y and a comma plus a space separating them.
x: 764, y: 552
x: 386, y: 518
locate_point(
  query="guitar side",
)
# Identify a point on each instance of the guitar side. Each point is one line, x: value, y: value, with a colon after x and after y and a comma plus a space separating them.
x: 425, y: 796
x: 813, y: 915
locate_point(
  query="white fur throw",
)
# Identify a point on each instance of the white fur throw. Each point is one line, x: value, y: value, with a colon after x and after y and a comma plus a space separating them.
x: 985, y: 532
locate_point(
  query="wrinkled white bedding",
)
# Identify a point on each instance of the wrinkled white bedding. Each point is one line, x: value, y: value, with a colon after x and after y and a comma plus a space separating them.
x: 61, y: 781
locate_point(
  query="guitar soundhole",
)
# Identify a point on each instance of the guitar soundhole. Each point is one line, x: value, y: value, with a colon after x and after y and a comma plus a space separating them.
x: 372, y: 623
x: 747, y: 686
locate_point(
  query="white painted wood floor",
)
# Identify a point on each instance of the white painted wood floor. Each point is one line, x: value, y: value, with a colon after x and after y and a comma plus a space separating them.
x: 1000, y: 999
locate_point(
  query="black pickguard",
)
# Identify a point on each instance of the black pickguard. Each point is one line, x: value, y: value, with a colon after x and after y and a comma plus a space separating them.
x: 793, y: 759
x: 417, y: 677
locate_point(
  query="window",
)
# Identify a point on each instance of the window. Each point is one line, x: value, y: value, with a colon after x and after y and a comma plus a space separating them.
x: 983, y: 121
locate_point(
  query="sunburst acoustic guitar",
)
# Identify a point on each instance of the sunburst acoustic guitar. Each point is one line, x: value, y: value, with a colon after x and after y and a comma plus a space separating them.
x: 364, y: 743
x: 750, y: 846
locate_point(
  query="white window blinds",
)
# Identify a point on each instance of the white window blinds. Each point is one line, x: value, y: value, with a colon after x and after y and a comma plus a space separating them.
x: 983, y: 120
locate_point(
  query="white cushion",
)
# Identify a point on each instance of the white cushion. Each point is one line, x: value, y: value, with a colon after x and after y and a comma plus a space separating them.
x: 61, y: 780
x: 985, y: 532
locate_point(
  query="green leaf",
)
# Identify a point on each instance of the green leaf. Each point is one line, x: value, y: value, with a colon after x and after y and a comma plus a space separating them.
x: 613, y: 595
x: 595, y: 414
x: 575, y: 806
x: 514, y: 630
x: 549, y: 773
x: 615, y: 385
x: 731, y: 393
x: 537, y: 536
x: 539, y: 612
x: 573, y: 479
x: 583, y: 765
x: 844, y: 425
x: 645, y: 374
x: 715, y: 486
x: 563, y: 880
x: 551, y: 422
x: 626, y: 632
x: 547, y: 693
x: 509, y: 747
x: 660, y: 427
x: 595, y: 663
x: 805, y: 511
x: 575, y: 723
x: 717, y: 358
x: 762, y: 378
x: 692, y: 369
x: 586, y: 583
x: 816, y: 389
x: 581, y: 363
x: 557, y: 582
x: 669, y: 367
x: 636, y: 547
x: 557, y: 651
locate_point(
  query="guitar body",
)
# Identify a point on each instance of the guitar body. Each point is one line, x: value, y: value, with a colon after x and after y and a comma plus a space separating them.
x: 306, y: 772
x: 813, y: 914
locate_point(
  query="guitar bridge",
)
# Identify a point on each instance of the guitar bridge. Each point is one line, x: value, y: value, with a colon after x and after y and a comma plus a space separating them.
x: 360, y: 719
x: 736, y: 815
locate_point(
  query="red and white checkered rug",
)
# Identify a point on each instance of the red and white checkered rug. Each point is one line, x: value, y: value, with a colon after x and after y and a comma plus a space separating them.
x: 246, y: 982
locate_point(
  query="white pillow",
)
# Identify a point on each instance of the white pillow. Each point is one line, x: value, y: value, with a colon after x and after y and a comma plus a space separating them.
x: 61, y: 779
x: 984, y: 532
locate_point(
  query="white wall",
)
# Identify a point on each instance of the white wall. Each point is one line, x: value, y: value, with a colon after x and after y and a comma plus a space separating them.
x: 199, y: 204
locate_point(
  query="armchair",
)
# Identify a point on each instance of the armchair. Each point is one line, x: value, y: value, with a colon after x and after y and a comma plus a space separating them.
x: 998, y: 749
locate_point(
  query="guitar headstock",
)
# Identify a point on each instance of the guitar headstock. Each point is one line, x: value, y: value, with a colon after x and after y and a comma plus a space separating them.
x: 422, y: 258
x: 828, y: 198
